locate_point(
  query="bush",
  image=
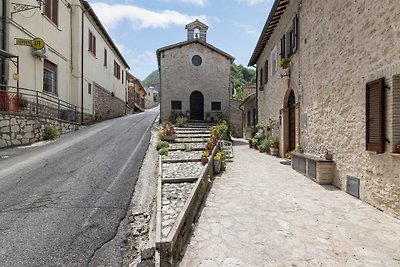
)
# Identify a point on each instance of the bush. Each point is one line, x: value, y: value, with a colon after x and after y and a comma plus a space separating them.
x: 50, y: 133
x: 162, y: 144
x: 181, y: 121
x: 163, y: 151
x: 265, y: 143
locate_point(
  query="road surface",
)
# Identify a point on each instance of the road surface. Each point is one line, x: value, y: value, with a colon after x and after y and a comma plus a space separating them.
x: 63, y: 202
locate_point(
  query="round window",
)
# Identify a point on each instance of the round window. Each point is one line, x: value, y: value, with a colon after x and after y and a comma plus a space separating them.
x: 196, y: 60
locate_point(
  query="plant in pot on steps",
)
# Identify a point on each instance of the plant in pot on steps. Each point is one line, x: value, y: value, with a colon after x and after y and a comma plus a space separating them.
x: 204, y: 157
x: 218, y: 157
x: 168, y: 133
x: 274, y: 148
x: 398, y: 149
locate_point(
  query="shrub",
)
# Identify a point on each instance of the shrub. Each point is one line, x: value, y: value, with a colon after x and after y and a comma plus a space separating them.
x: 205, y: 154
x: 181, y: 121
x: 162, y: 144
x: 163, y: 151
x: 50, y: 133
x: 188, y: 148
x: 265, y: 143
x: 219, y: 155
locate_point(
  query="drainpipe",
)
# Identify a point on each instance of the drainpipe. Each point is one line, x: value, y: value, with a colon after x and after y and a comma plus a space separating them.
x: 256, y: 115
x: 82, y: 51
x: 3, y: 41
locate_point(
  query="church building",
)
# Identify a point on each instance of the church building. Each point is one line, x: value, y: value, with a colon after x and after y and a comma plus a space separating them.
x: 195, y: 78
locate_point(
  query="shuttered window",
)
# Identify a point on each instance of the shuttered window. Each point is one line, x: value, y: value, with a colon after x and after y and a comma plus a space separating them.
x: 283, y: 47
x: 261, y: 79
x: 293, y: 36
x: 92, y: 43
x: 265, y: 72
x: 51, y: 10
x: 375, y: 112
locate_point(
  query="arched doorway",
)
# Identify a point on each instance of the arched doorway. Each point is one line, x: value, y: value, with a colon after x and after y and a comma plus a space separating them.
x: 291, y: 102
x: 196, y: 106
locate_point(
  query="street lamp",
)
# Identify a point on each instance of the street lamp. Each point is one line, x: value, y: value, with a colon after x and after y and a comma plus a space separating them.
x: 24, y: 7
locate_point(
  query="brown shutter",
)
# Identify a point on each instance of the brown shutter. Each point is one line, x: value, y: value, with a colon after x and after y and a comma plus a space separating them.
x: 47, y: 9
x: 261, y: 80
x: 283, y: 47
x: 54, y: 16
x: 375, y: 116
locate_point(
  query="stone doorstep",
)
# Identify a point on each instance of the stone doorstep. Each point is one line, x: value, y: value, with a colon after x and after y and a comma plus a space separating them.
x: 179, y: 180
x: 181, y: 160
x: 182, y: 148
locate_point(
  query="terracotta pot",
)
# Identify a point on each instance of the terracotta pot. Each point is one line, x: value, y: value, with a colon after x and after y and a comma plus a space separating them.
x: 275, y: 145
x: 398, y: 150
x: 204, y: 160
x: 169, y: 137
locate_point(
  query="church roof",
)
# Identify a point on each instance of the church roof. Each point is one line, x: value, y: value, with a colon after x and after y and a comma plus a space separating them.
x: 211, y: 47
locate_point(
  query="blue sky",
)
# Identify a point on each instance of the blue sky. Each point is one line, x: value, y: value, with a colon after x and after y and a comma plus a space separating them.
x: 140, y: 27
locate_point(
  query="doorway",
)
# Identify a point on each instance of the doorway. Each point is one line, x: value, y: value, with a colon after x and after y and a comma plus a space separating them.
x: 292, y: 120
x: 196, y: 106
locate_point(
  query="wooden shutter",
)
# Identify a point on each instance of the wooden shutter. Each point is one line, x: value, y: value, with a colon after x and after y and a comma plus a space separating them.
x: 375, y: 116
x: 261, y: 80
x: 295, y: 32
x: 54, y: 12
x: 266, y: 71
x: 283, y: 47
x: 47, y: 9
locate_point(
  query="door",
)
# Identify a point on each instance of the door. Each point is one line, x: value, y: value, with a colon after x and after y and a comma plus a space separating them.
x: 196, y: 106
x: 292, y: 128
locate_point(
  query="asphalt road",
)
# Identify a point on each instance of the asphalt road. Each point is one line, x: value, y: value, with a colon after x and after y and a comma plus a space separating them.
x: 63, y: 202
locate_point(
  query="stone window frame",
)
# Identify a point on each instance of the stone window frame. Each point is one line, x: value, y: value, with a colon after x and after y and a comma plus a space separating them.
x: 194, y: 62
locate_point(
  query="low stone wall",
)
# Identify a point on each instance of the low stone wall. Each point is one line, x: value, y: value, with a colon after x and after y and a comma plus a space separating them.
x: 107, y: 106
x: 16, y: 130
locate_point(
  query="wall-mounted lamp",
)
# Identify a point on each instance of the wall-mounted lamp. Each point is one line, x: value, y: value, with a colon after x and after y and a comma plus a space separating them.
x: 287, y: 74
x: 23, y: 7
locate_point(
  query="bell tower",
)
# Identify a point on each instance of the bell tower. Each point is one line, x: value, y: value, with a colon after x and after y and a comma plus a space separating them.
x: 197, y: 30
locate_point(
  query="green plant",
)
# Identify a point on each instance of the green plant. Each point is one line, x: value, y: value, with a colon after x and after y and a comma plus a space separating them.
x: 298, y: 149
x: 163, y: 151
x: 284, y: 63
x: 205, y: 154
x: 219, y: 155
x: 188, y: 148
x: 162, y: 144
x: 265, y: 143
x: 22, y: 102
x: 50, y: 132
x: 288, y: 155
x: 274, y: 140
x: 181, y: 121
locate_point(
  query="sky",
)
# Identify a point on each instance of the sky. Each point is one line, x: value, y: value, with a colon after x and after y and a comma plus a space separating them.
x: 140, y: 27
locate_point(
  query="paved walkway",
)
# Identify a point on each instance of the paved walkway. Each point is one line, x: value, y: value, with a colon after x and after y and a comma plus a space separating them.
x: 262, y: 213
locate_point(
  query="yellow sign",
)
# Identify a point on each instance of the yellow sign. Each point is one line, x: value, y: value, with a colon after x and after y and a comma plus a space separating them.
x: 16, y: 76
x: 38, y: 43
x: 25, y: 42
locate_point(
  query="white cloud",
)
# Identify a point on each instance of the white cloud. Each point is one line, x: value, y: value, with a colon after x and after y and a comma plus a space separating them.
x: 195, y: 2
x: 253, y: 2
x: 111, y: 15
x: 248, y: 29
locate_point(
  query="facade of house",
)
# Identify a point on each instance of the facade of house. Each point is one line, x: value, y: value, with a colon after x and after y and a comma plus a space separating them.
x: 338, y: 89
x: 136, y: 94
x: 152, y: 98
x: 195, y: 77
x: 79, y: 63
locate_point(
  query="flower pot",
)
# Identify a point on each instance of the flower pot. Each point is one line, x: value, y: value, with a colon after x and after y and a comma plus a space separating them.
x: 274, y: 151
x: 276, y: 145
x: 398, y: 149
x: 204, y: 160
x: 328, y: 156
x: 169, y: 137
x: 217, y: 166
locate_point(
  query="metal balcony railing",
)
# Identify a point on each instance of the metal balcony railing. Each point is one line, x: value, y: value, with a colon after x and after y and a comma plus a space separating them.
x: 27, y: 101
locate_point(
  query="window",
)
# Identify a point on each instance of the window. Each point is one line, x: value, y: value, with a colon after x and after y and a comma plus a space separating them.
x: 105, y: 57
x: 196, y: 60
x: 49, y: 77
x: 176, y: 105
x: 283, y: 47
x: 274, y: 60
x: 216, y: 106
x: 92, y: 43
x: 265, y: 72
x: 117, y: 70
x: 293, y: 36
x: 375, y: 110
x: 51, y: 10
x: 89, y: 88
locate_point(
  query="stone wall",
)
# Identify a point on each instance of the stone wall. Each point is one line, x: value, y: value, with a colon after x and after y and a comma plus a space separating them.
x: 179, y: 78
x: 236, y: 119
x: 16, y: 130
x: 342, y: 46
x: 106, y: 105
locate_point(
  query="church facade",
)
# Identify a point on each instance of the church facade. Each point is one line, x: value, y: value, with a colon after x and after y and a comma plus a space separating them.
x: 195, y: 78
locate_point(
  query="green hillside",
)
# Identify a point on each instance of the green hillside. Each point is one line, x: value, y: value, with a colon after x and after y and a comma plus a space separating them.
x: 152, y: 79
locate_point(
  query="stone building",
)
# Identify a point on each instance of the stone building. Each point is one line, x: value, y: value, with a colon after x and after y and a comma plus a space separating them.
x: 195, y: 77
x: 136, y: 94
x: 152, y: 98
x: 248, y: 107
x: 338, y: 89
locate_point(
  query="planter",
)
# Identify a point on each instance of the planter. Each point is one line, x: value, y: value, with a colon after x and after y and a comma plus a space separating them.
x: 274, y: 151
x: 169, y: 137
x: 328, y: 156
x: 204, y: 160
x: 217, y: 166
x: 398, y: 149
x: 276, y: 145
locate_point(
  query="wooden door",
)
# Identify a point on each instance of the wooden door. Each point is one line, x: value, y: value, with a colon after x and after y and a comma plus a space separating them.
x: 196, y: 106
x: 292, y: 128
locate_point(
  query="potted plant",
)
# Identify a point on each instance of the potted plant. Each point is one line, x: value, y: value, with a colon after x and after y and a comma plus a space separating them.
x: 22, y: 102
x: 204, y: 157
x: 274, y: 148
x: 328, y: 154
x: 398, y: 148
x: 168, y: 133
x: 217, y: 161
x: 284, y: 63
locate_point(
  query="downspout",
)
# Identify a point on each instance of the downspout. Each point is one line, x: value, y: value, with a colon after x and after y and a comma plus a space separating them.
x: 3, y: 41
x: 256, y: 115
x: 82, y: 46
